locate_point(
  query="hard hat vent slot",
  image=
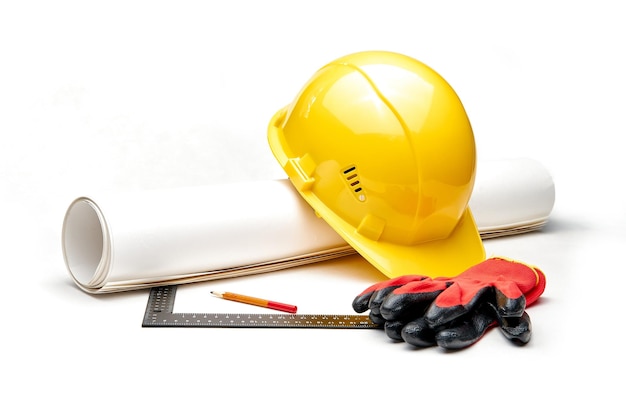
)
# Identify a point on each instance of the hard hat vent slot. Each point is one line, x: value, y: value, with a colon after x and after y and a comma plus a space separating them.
x: 351, y: 176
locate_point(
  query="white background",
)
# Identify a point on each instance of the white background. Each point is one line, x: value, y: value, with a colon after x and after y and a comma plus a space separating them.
x: 143, y: 95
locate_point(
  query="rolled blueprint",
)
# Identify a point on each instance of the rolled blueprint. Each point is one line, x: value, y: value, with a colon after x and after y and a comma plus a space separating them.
x: 125, y: 241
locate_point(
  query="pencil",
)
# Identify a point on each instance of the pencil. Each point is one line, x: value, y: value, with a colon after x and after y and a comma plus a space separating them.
x: 279, y: 306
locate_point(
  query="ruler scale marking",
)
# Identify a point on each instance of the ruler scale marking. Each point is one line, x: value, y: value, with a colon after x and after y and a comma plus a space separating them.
x: 160, y: 314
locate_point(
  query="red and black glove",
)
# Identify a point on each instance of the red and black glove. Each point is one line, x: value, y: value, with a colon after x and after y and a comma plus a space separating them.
x: 454, y: 312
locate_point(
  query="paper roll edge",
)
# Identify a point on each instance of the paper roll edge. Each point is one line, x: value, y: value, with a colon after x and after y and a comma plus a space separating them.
x: 86, y: 244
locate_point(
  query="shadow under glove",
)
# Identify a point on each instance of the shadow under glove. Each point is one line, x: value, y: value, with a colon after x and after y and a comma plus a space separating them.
x: 455, y: 312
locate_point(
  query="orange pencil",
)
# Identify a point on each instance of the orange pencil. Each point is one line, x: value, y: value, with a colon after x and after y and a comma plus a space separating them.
x: 257, y: 301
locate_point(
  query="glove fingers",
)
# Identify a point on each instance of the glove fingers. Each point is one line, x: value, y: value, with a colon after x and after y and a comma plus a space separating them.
x: 411, y: 300
x: 466, y: 331
x: 373, y: 302
x: 454, y: 303
x: 393, y: 329
x: 361, y: 302
x: 377, y: 318
x: 418, y: 333
x: 364, y: 301
x: 517, y: 330
x: 376, y: 292
x: 509, y: 306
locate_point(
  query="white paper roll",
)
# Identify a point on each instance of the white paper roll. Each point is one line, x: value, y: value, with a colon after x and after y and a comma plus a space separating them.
x: 124, y: 241
x: 511, y: 196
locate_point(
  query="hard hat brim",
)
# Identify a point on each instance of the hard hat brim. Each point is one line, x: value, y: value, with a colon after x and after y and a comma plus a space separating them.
x: 462, y: 249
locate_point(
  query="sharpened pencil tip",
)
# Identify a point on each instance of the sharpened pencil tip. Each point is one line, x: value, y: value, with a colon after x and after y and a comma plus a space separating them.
x: 218, y: 294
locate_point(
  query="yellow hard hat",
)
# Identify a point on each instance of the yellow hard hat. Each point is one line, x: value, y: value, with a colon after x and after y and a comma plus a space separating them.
x: 382, y: 149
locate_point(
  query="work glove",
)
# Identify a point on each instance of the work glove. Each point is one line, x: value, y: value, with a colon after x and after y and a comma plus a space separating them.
x: 455, y: 312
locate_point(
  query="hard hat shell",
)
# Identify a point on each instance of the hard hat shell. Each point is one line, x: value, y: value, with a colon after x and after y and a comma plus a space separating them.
x: 381, y: 147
